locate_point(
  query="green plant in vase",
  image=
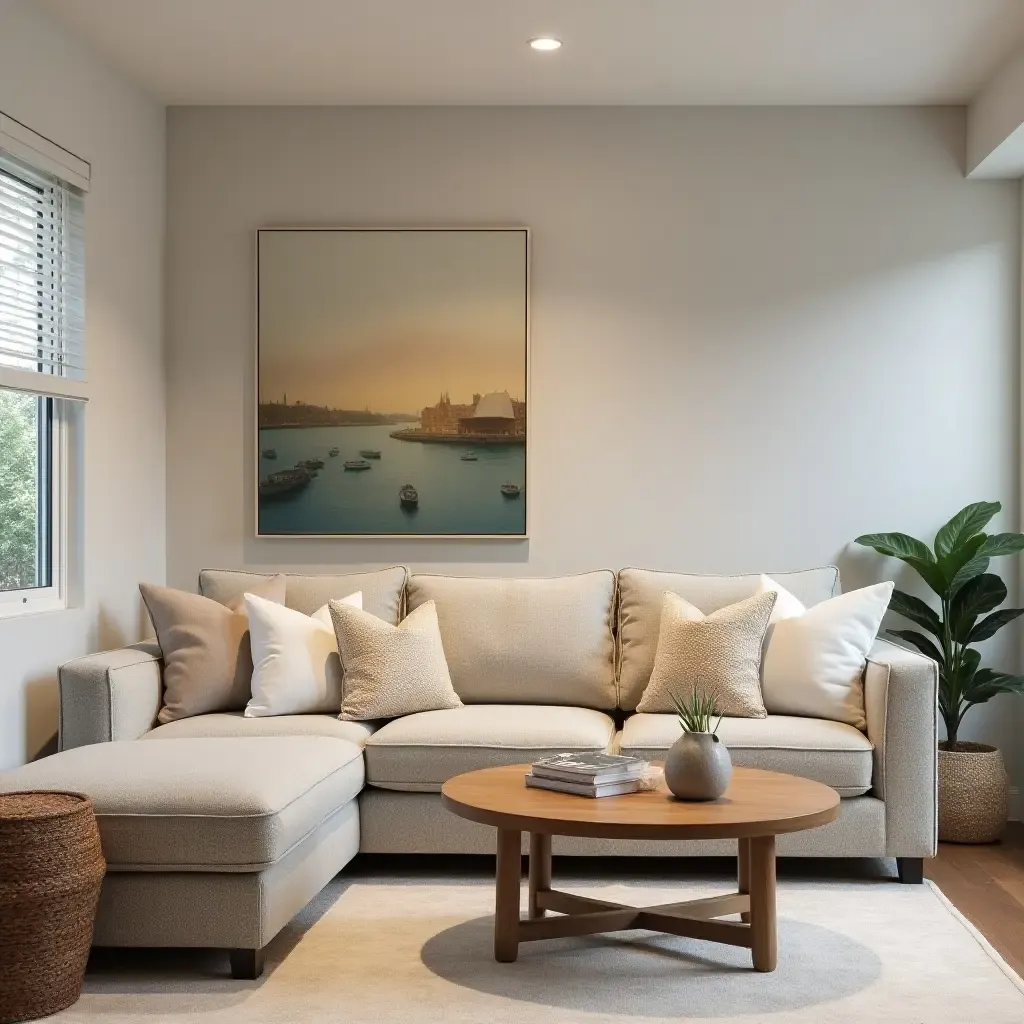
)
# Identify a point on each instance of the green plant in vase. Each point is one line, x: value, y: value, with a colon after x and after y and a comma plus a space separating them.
x: 956, y: 568
x: 696, y: 713
x: 697, y: 765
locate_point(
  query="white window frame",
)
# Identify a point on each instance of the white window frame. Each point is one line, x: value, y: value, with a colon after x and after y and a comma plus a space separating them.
x: 54, y: 597
x: 65, y: 393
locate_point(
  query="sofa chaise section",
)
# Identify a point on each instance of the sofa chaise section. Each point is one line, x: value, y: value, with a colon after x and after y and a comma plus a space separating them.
x: 208, y: 844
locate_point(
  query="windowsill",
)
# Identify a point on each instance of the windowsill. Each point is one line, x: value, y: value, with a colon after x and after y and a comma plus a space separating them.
x: 31, y: 610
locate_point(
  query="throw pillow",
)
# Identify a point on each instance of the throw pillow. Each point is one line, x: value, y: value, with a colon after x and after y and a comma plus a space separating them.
x: 296, y: 669
x: 205, y: 647
x: 717, y: 654
x: 391, y: 670
x: 814, y: 660
x: 786, y: 605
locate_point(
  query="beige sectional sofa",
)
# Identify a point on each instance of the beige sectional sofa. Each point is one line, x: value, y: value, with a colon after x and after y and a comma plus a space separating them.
x: 541, y: 665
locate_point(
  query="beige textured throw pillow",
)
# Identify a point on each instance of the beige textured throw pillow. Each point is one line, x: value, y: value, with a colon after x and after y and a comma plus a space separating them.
x: 205, y: 647
x: 388, y: 670
x: 718, y: 654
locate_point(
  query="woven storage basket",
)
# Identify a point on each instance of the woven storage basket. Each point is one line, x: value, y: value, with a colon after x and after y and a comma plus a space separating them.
x: 973, y: 794
x: 51, y: 867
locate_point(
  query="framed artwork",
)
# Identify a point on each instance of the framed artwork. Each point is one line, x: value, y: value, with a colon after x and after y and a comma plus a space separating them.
x: 392, y: 378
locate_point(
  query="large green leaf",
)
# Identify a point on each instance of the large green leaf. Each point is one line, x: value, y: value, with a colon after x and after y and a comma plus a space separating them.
x: 991, y: 624
x: 916, y: 610
x: 964, y: 525
x: 920, y: 641
x: 1002, y: 544
x: 908, y: 549
x: 987, y: 683
x: 897, y: 545
x: 952, y: 563
x: 970, y: 660
x: 977, y: 596
x: 974, y: 568
x: 958, y: 681
x: 932, y: 574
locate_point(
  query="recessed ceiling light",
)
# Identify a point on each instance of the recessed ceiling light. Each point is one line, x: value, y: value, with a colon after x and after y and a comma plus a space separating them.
x: 546, y: 43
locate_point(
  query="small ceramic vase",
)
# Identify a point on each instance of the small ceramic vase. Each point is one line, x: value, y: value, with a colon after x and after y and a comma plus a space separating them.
x: 698, y: 767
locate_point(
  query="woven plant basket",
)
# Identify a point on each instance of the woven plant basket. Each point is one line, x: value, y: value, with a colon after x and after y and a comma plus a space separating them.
x: 973, y: 794
x: 51, y: 867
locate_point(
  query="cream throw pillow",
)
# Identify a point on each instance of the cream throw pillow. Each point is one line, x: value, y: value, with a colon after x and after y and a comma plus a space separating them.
x: 391, y: 671
x: 296, y: 669
x: 717, y: 654
x: 205, y: 647
x: 815, y: 657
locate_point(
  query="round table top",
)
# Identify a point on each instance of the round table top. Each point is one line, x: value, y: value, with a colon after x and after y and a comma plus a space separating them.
x: 757, y: 803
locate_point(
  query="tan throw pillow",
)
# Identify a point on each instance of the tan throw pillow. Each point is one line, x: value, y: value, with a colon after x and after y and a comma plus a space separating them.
x: 718, y: 654
x: 388, y: 670
x: 205, y: 646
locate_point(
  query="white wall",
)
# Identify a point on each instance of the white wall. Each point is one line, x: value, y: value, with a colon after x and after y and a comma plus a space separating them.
x: 757, y: 333
x: 52, y: 83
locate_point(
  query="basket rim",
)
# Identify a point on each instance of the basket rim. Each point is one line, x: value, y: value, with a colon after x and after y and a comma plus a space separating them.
x: 84, y: 804
x: 967, y: 747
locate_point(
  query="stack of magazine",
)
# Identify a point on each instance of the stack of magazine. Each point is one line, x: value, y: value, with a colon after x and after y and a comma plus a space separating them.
x: 588, y: 774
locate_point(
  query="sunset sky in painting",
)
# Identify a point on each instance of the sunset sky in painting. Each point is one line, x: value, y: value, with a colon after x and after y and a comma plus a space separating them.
x: 388, y: 320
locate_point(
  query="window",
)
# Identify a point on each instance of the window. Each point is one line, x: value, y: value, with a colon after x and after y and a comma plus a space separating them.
x: 30, y: 527
x: 42, y: 365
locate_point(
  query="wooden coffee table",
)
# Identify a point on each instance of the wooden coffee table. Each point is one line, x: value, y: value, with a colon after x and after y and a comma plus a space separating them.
x: 757, y: 807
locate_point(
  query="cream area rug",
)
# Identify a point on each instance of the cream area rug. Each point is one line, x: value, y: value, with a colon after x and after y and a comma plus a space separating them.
x: 370, y: 951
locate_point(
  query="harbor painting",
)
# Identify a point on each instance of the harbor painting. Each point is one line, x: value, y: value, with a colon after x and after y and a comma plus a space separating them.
x: 392, y: 382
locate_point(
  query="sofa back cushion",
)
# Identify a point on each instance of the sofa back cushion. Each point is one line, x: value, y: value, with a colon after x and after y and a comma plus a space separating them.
x: 382, y: 590
x: 641, y: 592
x: 526, y: 641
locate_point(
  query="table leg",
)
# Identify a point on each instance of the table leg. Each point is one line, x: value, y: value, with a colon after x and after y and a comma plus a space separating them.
x: 506, y: 898
x: 743, y: 872
x: 762, y: 902
x: 540, y: 870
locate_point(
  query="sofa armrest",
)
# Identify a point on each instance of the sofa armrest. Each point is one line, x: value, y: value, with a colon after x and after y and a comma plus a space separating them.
x: 111, y: 696
x: 901, y: 690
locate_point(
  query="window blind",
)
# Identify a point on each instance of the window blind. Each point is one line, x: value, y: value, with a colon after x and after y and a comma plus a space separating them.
x: 42, y: 280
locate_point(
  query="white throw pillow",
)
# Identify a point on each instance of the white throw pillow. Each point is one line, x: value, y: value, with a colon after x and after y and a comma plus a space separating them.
x: 786, y: 605
x: 814, y: 660
x: 391, y: 670
x: 296, y: 669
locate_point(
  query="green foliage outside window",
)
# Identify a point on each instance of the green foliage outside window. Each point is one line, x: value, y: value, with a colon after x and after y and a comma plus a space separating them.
x: 19, y: 480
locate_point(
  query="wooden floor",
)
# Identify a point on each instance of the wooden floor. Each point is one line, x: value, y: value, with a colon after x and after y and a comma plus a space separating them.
x: 986, y: 884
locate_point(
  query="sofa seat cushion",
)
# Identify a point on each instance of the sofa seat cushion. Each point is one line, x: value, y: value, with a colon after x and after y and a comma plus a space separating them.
x: 203, y: 804
x: 420, y: 752
x: 232, y: 724
x: 830, y: 752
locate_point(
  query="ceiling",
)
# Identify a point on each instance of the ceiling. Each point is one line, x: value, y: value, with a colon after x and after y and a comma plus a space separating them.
x: 615, y: 51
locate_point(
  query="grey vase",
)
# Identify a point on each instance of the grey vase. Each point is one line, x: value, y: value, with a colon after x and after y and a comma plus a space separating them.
x: 698, y: 767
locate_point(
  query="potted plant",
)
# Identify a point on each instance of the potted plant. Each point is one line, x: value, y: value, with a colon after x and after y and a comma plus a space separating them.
x: 697, y: 765
x: 972, y: 778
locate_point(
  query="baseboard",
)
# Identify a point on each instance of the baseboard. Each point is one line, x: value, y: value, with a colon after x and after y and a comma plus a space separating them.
x: 1016, y: 804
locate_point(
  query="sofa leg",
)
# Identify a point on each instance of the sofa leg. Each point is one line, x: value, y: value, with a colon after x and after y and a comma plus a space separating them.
x: 911, y: 870
x: 246, y: 964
